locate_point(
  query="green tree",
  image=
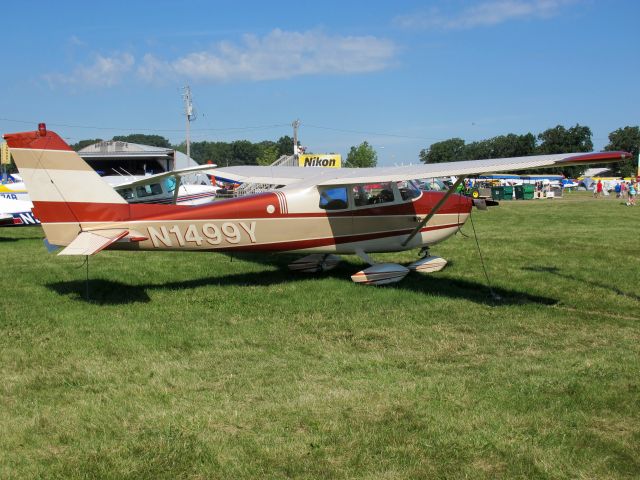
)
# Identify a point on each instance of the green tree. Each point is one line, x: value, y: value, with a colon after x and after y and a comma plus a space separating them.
x: 362, y: 156
x: 142, y: 139
x: 85, y: 143
x: 562, y: 140
x: 513, y: 145
x: 477, y: 150
x: 285, y: 145
x: 244, y: 153
x: 450, y: 150
x: 268, y: 153
x: 627, y: 139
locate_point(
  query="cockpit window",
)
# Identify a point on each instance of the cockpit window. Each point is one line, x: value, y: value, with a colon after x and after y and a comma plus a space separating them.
x: 408, y: 190
x: 334, y: 198
x: 126, y: 193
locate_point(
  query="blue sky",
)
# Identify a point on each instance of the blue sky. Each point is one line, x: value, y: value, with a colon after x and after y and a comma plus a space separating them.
x: 400, y: 75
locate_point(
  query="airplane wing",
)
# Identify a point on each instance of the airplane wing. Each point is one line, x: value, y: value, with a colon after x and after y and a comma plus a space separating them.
x: 270, y: 175
x: 332, y: 176
x: 90, y: 243
x: 160, y: 176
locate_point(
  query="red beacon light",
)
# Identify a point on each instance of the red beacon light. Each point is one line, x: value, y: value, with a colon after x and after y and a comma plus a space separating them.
x: 42, y: 129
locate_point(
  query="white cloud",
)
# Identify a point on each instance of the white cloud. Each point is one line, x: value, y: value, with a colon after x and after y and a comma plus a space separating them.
x: 103, y: 72
x: 277, y: 55
x: 76, y: 42
x: 482, y: 15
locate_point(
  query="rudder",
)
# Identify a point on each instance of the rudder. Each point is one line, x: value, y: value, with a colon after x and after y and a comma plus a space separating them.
x: 66, y: 192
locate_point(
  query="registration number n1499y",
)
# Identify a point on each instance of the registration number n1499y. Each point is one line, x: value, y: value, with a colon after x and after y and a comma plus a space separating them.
x: 203, y: 234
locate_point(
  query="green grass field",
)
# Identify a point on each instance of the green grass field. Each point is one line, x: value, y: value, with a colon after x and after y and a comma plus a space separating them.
x: 204, y: 366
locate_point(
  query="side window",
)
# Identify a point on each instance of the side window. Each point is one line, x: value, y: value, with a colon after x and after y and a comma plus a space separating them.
x: 379, y: 193
x: 360, y: 196
x: 333, y: 198
x: 148, y: 190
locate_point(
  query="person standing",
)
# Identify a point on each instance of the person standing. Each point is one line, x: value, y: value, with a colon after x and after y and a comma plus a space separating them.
x: 598, y: 189
x: 633, y: 191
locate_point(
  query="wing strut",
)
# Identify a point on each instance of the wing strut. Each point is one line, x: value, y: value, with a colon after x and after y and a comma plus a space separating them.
x: 175, y: 192
x: 435, y: 209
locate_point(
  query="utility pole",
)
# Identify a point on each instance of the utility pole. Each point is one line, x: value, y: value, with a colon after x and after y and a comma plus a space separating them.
x: 190, y: 114
x: 295, y: 125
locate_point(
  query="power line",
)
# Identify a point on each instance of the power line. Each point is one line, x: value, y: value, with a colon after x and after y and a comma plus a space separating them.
x: 238, y: 129
x: 93, y: 127
x: 360, y: 132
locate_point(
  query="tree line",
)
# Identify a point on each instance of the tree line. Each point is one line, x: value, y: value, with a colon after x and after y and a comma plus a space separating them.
x: 553, y: 140
x: 239, y: 152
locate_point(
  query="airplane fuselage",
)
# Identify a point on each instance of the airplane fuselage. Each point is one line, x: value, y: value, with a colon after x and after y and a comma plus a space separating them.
x: 274, y: 221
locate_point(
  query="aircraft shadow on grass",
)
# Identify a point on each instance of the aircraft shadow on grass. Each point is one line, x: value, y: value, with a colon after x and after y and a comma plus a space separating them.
x: 111, y: 292
x: 19, y: 239
x: 594, y: 283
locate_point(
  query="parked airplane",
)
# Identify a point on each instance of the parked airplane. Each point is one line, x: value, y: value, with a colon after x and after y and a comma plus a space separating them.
x: 16, y: 213
x: 167, y: 188
x: 14, y: 191
x: 318, y: 211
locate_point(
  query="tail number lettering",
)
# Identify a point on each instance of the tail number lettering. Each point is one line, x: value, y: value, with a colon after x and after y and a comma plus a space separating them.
x: 207, y: 233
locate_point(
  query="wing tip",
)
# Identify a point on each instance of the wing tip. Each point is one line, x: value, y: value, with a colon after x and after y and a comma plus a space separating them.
x: 599, y: 157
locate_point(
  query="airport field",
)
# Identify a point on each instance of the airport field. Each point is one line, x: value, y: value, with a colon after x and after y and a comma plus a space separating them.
x: 198, y: 366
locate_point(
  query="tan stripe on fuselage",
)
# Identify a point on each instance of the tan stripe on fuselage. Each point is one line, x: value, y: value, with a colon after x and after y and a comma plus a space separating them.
x: 240, y: 233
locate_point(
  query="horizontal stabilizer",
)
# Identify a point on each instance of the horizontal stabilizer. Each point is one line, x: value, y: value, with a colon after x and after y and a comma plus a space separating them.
x: 90, y: 243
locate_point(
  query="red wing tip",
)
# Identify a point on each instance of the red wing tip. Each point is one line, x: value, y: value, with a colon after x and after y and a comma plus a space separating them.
x: 599, y: 156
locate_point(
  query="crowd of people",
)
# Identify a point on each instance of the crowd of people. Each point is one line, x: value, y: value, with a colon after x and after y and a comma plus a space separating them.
x: 625, y: 190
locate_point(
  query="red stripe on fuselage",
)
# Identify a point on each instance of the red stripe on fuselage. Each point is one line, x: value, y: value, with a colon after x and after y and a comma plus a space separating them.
x: 254, y: 206
x: 248, y: 207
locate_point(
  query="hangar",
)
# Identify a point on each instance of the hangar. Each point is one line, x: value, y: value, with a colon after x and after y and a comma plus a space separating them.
x: 114, y: 157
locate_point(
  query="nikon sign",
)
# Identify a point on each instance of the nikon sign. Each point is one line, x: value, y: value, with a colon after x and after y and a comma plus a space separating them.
x: 320, y: 160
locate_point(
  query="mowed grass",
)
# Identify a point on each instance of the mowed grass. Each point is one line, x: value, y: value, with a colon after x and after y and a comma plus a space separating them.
x: 187, y: 365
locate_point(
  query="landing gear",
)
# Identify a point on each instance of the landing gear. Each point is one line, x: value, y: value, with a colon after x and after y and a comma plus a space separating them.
x: 381, y: 274
x: 315, y: 263
x: 376, y: 273
x: 428, y: 264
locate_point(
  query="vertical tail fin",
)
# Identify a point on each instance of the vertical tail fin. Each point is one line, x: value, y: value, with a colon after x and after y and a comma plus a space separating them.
x: 66, y: 192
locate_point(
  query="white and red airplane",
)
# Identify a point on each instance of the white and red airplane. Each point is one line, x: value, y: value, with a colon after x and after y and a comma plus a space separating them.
x: 316, y: 211
x: 16, y: 213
